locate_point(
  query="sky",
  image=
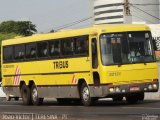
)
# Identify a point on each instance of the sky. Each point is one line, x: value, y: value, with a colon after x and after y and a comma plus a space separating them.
x: 46, y: 14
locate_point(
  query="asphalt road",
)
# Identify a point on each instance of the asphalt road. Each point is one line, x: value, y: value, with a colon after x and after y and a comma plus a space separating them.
x: 102, y: 110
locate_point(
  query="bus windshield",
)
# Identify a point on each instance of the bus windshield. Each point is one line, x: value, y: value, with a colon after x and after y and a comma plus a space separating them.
x: 126, y: 48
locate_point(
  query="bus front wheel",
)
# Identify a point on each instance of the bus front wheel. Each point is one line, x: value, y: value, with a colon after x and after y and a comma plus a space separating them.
x: 25, y: 94
x: 132, y: 99
x: 86, y: 99
x: 34, y: 96
x: 141, y: 96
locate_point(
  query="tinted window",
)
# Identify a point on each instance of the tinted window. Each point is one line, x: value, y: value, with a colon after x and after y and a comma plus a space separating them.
x: 42, y: 48
x: 8, y: 53
x: 31, y: 51
x: 81, y: 45
x: 54, y: 48
x: 19, y: 52
x: 68, y: 46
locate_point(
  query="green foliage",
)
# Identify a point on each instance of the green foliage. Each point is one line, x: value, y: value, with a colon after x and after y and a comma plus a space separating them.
x: 4, y: 36
x: 25, y: 28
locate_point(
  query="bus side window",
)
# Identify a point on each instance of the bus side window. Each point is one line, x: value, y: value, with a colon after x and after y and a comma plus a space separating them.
x: 81, y: 45
x: 54, y: 48
x: 68, y: 47
x: 19, y: 52
x: 31, y: 50
x: 42, y: 48
x: 7, y: 53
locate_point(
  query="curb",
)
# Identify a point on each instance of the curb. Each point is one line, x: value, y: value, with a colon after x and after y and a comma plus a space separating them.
x: 152, y: 96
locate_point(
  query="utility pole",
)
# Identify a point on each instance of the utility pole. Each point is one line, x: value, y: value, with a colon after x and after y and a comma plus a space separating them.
x: 91, y: 9
x: 127, y: 8
x: 127, y: 12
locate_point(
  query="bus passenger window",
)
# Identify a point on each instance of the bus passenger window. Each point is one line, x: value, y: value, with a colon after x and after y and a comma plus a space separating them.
x: 8, y: 53
x: 31, y: 51
x: 19, y: 52
x: 42, y: 48
x: 54, y: 48
x: 68, y: 47
x: 81, y: 45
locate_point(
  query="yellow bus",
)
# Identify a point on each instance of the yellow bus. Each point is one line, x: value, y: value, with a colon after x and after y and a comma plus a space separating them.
x: 102, y: 61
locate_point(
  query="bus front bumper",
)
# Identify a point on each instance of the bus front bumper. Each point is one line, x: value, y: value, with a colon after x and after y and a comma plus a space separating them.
x: 112, y: 90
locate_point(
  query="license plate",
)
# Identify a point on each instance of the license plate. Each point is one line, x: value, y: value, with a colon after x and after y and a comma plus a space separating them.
x: 134, y: 89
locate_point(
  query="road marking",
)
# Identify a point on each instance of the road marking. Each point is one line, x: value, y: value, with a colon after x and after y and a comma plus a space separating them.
x: 67, y: 106
x: 141, y: 108
x: 9, y: 105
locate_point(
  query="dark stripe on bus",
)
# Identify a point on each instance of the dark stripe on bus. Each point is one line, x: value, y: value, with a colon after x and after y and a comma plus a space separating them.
x: 48, y: 73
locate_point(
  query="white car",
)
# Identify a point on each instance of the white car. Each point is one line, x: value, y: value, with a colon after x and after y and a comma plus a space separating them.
x: 7, y: 96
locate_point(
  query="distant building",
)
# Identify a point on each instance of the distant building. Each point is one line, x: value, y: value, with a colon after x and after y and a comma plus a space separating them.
x: 116, y: 11
x: 155, y: 29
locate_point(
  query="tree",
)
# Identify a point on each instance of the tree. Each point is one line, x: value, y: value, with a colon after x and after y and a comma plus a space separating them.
x: 25, y: 28
x: 52, y: 31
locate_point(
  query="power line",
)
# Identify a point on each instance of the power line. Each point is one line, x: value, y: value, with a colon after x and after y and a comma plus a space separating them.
x: 135, y: 10
x: 147, y: 4
x: 145, y: 12
x: 142, y: 18
x: 73, y: 23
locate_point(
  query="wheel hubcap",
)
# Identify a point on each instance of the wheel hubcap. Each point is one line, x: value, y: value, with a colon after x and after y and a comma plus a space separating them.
x: 34, y: 94
x: 85, y: 93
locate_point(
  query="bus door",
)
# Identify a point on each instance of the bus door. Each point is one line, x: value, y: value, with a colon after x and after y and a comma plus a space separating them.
x: 96, y: 78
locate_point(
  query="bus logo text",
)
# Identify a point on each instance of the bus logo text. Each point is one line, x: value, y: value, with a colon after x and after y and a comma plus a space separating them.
x: 60, y: 64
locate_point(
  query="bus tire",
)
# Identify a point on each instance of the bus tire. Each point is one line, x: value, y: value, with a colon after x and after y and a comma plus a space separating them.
x: 141, y: 96
x: 34, y: 96
x: 86, y: 99
x: 16, y: 98
x: 26, y: 95
x: 132, y: 99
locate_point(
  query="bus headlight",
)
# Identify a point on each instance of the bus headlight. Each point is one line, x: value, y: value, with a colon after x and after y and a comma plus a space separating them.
x: 118, y: 89
x: 111, y: 90
x: 155, y: 86
x: 150, y: 87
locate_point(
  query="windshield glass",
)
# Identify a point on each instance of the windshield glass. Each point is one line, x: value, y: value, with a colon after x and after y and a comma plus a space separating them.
x: 125, y: 48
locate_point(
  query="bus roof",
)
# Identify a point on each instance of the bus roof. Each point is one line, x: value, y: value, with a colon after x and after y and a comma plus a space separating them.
x: 103, y: 28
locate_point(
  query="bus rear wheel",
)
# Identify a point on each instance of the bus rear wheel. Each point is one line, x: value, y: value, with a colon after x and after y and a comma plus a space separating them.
x: 25, y: 94
x: 34, y: 96
x: 86, y: 99
x: 16, y: 98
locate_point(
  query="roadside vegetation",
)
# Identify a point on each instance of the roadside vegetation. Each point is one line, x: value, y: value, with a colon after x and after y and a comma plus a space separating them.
x: 11, y: 29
